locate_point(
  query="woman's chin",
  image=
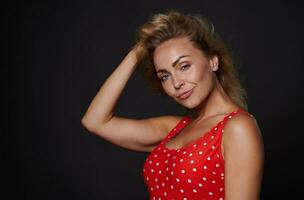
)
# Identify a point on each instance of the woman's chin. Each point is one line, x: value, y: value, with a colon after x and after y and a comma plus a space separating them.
x: 188, y: 105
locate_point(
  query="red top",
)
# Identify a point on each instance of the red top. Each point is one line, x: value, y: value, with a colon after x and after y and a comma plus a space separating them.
x: 192, y: 172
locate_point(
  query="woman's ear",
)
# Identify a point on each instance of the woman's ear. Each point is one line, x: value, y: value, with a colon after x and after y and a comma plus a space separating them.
x: 214, y: 62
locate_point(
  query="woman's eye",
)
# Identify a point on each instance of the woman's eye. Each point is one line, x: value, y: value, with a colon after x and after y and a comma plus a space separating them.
x: 184, y: 67
x: 163, y: 78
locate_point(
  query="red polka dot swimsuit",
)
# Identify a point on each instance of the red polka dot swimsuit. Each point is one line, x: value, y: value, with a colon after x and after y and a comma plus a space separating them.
x: 191, y: 172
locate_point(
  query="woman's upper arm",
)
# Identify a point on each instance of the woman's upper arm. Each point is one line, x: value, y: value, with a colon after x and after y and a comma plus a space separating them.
x: 136, y: 134
x: 244, y: 158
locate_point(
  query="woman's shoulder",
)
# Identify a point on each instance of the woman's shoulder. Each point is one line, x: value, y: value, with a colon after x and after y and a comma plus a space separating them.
x: 241, y: 128
x: 241, y: 122
x: 241, y: 119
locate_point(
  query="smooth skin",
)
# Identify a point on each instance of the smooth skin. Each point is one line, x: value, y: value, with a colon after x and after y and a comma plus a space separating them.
x: 181, y: 67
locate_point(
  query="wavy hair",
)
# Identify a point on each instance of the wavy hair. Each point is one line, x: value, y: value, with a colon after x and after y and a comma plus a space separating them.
x: 199, y: 30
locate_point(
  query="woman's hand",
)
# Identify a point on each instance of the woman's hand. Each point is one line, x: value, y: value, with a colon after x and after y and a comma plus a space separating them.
x: 139, y: 51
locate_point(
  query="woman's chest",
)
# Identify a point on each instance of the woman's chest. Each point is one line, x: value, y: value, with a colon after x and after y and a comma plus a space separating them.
x: 198, y: 158
x: 196, y: 166
x: 191, y: 133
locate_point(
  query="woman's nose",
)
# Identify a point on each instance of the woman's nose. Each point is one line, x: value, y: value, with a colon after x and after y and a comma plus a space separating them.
x: 177, y: 83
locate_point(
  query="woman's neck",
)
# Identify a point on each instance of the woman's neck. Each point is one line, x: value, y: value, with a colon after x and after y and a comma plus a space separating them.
x: 217, y: 102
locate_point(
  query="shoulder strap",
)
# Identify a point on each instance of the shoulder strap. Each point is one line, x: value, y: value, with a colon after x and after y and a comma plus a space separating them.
x: 180, y: 125
x: 234, y: 113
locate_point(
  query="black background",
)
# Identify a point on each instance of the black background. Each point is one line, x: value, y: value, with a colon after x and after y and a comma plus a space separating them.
x: 58, y: 53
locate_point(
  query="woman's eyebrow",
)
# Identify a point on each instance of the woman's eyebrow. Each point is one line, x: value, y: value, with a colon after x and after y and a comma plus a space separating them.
x: 175, y: 62
x: 161, y: 71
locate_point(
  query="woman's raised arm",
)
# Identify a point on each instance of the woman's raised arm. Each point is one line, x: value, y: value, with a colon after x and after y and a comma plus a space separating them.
x: 138, y: 135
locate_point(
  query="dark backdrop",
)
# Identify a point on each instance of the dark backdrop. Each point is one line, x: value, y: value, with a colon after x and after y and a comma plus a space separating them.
x: 60, y: 52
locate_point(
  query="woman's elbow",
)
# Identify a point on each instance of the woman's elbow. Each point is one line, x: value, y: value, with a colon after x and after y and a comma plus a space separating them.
x: 88, y: 124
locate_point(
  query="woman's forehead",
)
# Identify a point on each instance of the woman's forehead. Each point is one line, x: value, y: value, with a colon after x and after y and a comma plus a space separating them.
x: 171, y: 50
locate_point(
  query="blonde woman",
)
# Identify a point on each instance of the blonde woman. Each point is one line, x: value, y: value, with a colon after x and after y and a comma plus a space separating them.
x: 216, y: 153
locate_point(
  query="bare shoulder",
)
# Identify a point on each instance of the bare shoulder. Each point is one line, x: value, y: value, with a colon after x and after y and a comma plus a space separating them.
x: 242, y: 131
x: 242, y: 126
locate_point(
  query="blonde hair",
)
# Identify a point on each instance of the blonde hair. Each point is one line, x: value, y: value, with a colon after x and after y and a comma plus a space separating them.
x: 200, y: 31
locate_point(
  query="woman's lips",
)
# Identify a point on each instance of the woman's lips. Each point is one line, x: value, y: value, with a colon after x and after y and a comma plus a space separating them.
x: 185, y: 95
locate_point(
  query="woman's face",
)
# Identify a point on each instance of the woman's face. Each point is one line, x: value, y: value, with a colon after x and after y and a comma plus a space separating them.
x: 186, y: 74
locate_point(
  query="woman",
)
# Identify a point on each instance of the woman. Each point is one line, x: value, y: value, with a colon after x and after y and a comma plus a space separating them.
x: 215, y: 154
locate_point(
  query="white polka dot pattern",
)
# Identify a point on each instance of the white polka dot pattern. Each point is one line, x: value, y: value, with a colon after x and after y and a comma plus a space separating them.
x: 193, y: 172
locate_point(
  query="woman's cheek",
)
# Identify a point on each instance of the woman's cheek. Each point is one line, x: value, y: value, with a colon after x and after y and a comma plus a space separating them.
x: 166, y: 89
